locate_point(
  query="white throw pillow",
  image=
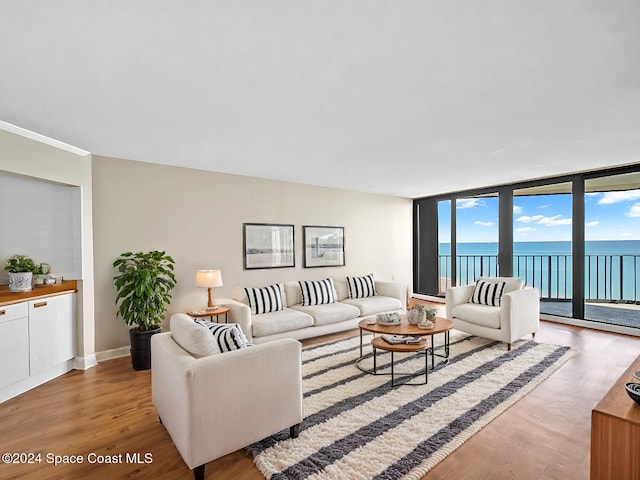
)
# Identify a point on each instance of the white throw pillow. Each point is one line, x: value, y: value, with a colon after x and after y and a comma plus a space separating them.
x: 195, y: 337
x: 317, y: 292
x: 488, y: 293
x: 226, y: 336
x: 361, y: 287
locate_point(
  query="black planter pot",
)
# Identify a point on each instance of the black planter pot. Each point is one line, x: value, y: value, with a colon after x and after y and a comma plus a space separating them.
x: 141, y: 347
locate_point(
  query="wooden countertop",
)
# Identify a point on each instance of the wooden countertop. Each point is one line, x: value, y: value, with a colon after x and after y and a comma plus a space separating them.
x: 617, y: 403
x: 39, y: 291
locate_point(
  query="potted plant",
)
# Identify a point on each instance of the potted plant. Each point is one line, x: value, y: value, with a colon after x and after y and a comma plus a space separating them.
x: 20, y: 268
x: 143, y: 282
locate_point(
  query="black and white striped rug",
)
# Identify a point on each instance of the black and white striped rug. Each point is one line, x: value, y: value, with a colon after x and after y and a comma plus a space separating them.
x: 357, y: 427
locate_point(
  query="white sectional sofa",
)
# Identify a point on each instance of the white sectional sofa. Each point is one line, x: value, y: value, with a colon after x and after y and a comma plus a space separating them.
x: 297, y: 321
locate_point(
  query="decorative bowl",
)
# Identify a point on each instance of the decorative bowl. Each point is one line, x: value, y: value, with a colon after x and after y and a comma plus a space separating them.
x: 633, y: 389
x: 428, y: 325
x: 637, y: 375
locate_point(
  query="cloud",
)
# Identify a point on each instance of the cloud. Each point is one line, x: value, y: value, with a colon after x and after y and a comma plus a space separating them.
x: 524, y: 229
x: 592, y: 224
x: 528, y: 219
x: 517, y: 210
x: 469, y: 203
x: 609, y: 198
x: 544, y: 206
x: 484, y: 224
x: 554, y: 221
x: 634, y: 211
x: 546, y: 221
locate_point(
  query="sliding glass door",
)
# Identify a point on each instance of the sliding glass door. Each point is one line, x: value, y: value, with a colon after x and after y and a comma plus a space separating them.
x: 476, y: 237
x: 612, y: 249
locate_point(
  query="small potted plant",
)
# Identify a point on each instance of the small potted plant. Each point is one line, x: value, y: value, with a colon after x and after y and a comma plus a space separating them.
x: 20, y: 268
x: 143, y: 282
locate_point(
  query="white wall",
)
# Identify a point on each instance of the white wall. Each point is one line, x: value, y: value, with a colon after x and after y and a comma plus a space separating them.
x: 43, y: 221
x: 197, y: 217
x: 31, y: 155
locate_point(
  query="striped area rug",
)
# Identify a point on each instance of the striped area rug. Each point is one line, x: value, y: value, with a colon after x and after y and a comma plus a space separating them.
x: 357, y: 427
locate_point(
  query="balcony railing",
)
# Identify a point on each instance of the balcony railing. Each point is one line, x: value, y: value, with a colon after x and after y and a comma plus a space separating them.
x: 608, y: 278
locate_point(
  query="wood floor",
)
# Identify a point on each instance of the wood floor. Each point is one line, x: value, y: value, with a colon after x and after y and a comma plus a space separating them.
x: 106, y: 412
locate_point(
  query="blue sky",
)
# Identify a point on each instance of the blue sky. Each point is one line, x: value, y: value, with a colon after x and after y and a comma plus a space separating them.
x: 539, y: 218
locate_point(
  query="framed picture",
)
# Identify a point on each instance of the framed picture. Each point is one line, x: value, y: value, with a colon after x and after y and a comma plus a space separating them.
x: 323, y: 246
x: 268, y: 245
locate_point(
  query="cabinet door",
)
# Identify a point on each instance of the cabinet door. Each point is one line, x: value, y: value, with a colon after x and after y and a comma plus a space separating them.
x: 51, y: 331
x: 14, y: 344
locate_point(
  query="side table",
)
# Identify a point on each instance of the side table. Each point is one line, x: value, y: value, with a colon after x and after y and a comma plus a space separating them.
x: 211, y: 313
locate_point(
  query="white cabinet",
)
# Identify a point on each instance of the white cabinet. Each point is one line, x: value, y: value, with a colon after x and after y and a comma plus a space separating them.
x: 51, y: 338
x: 14, y: 344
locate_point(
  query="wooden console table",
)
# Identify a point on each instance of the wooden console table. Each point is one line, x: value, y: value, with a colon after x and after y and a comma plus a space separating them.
x: 615, y: 432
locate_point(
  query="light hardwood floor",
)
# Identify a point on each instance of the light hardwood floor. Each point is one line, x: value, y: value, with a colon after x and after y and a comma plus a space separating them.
x: 107, y: 411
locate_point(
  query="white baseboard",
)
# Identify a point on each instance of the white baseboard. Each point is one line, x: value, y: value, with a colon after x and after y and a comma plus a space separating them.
x: 428, y: 298
x: 113, y: 353
x: 606, y: 327
x: 35, y: 380
x: 85, y: 363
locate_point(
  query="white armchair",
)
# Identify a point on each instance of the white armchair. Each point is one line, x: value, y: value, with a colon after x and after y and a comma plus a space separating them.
x: 217, y: 404
x: 517, y: 316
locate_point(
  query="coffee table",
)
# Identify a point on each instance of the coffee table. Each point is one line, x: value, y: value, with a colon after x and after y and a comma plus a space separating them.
x: 380, y: 343
x: 441, y: 325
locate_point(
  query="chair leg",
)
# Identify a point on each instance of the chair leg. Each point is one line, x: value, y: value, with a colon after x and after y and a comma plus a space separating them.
x: 533, y: 335
x: 294, y: 430
x: 160, y: 420
x: 198, y: 472
x: 509, y: 346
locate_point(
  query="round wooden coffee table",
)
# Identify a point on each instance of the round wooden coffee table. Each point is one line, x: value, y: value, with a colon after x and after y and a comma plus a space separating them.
x: 382, y: 344
x: 441, y: 325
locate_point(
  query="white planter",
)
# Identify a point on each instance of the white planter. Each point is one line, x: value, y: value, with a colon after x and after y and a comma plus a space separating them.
x: 20, y: 282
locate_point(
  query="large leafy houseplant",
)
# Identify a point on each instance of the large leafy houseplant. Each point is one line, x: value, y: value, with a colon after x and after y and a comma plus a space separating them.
x: 144, y: 282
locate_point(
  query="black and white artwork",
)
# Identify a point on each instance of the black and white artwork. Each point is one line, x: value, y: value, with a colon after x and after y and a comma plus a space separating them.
x: 323, y: 246
x: 268, y: 245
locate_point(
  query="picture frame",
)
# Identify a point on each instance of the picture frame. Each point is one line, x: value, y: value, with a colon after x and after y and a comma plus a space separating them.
x: 323, y: 246
x: 268, y: 245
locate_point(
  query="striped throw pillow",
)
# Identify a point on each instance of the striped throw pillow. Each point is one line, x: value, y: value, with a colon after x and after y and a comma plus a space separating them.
x: 266, y: 299
x: 317, y: 292
x: 487, y: 293
x: 226, y: 336
x: 361, y: 287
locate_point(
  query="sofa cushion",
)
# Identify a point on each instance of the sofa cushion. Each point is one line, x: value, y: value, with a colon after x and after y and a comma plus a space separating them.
x: 318, y: 292
x: 278, y: 322
x: 329, y: 313
x: 265, y: 299
x: 372, y: 305
x: 482, y: 315
x: 488, y: 293
x: 361, y: 287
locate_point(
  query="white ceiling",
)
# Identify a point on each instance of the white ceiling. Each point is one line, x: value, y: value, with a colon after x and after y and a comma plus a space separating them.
x: 408, y: 98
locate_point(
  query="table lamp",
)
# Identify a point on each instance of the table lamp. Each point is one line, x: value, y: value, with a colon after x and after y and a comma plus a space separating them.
x: 209, y: 279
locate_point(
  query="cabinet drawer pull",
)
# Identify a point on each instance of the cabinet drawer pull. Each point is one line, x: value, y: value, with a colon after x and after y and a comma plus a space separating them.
x: 39, y: 304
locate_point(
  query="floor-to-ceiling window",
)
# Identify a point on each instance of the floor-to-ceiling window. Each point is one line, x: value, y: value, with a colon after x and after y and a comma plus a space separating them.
x: 476, y: 237
x: 576, y: 238
x: 612, y: 249
x: 542, y: 243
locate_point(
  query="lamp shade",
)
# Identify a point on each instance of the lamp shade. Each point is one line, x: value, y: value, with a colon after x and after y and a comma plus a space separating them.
x: 208, y: 278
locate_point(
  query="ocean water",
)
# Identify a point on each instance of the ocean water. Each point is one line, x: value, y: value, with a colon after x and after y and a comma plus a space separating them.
x: 612, y: 268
